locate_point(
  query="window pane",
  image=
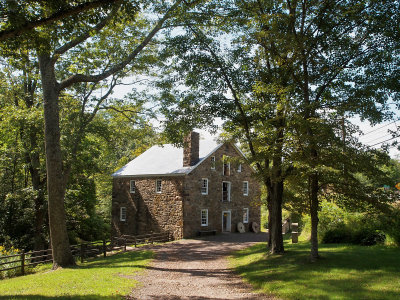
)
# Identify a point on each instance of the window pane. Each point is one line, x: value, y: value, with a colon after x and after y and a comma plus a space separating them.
x: 226, y: 191
x: 122, y: 216
x: 204, y: 217
x: 245, y: 215
x: 132, y: 186
x: 204, y: 186
x: 158, y: 186
x: 213, y: 162
x: 245, y: 188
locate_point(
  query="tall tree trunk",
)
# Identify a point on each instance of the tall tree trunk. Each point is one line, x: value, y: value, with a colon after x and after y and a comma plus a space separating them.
x: 56, y: 182
x: 275, y: 185
x: 269, y: 207
x: 314, y: 215
x: 275, y: 239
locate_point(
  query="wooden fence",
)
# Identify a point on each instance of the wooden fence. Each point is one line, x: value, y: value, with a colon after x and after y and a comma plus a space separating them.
x: 136, y: 240
x: 85, y: 250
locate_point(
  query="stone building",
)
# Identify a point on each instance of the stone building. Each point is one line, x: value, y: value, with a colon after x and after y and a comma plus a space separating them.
x: 205, y: 186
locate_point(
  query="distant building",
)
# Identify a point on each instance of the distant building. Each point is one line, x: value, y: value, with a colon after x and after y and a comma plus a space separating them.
x: 202, y: 187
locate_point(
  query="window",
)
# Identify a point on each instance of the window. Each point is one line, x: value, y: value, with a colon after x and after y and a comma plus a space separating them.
x: 204, y: 186
x: 122, y: 214
x: 212, y: 162
x: 227, y: 167
x: 158, y: 186
x: 226, y: 191
x: 239, y: 169
x: 132, y: 186
x: 245, y: 215
x: 204, y: 217
x: 245, y: 188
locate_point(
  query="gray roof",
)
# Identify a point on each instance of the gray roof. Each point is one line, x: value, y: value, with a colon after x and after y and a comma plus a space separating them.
x: 165, y: 160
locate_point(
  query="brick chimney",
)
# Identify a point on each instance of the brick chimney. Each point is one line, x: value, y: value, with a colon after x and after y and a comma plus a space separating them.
x: 191, y: 149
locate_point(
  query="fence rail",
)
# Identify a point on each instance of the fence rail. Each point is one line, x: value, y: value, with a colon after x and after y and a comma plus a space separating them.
x: 83, y: 250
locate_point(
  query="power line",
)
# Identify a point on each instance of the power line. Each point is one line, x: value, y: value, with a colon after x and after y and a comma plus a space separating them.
x: 379, y: 128
x: 378, y: 138
x: 384, y: 141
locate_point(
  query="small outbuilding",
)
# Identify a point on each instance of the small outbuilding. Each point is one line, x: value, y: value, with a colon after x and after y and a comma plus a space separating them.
x: 203, y: 187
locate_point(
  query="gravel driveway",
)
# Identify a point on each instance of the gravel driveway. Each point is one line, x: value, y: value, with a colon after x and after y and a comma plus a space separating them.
x: 197, y: 269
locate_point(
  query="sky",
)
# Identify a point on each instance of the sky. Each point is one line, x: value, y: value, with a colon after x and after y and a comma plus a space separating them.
x: 374, y: 136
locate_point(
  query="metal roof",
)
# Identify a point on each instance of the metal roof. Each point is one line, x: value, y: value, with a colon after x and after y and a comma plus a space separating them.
x: 165, y: 160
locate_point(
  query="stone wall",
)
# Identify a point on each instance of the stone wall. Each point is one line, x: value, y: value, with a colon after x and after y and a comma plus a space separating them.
x: 191, y: 149
x: 147, y: 210
x: 194, y: 201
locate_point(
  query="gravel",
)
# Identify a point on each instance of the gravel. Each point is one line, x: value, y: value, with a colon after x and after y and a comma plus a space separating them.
x: 197, y: 269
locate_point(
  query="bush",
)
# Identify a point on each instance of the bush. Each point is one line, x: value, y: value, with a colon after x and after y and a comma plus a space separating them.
x: 344, y: 234
x: 10, y: 262
x: 341, y: 234
x: 337, y: 225
x: 391, y: 225
x: 368, y: 237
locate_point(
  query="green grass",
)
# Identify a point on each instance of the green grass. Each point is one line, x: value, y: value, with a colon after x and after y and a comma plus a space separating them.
x: 343, y: 272
x: 102, y: 278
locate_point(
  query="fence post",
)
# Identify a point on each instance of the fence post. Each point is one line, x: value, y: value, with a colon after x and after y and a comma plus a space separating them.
x: 124, y: 244
x: 151, y: 237
x: 82, y: 252
x: 104, y: 248
x: 135, y: 241
x: 23, y: 263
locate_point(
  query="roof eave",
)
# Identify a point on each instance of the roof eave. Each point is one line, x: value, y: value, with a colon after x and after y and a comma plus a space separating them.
x: 205, y: 157
x: 151, y: 175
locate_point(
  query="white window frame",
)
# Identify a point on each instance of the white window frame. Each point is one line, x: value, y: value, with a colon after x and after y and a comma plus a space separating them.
x: 212, y: 162
x: 239, y: 169
x: 229, y: 168
x: 204, y: 192
x: 205, y: 211
x: 245, y: 188
x: 245, y: 215
x: 229, y: 191
x: 122, y: 214
x: 132, y: 186
x: 158, y: 191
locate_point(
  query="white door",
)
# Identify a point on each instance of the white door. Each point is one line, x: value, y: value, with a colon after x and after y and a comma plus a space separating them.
x: 226, y: 221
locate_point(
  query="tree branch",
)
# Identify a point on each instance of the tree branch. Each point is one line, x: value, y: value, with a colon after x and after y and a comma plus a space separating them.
x: 95, y: 78
x: 85, y: 35
x: 29, y: 25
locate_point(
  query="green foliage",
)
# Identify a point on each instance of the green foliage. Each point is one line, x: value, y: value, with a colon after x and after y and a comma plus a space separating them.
x: 17, y: 211
x: 9, y: 262
x: 390, y: 223
x: 338, y: 225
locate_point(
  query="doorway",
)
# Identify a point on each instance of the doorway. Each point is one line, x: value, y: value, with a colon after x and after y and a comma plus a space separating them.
x: 226, y: 221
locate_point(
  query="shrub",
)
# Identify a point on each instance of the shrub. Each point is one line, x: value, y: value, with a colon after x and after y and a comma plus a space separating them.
x: 391, y: 225
x: 340, y: 234
x: 10, y: 262
x: 368, y: 237
x: 337, y: 225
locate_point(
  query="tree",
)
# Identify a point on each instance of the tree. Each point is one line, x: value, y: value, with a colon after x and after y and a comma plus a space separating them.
x: 232, y: 86
x: 301, y: 62
x: 52, y: 42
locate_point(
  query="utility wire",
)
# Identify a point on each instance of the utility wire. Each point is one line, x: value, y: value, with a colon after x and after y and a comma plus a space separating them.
x: 379, y: 128
x: 378, y: 138
x: 384, y: 141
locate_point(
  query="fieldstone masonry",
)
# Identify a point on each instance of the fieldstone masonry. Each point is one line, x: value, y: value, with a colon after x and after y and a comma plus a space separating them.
x: 191, y: 149
x: 177, y: 209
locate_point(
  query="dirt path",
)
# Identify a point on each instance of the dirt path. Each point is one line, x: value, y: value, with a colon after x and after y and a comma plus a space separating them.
x: 197, y: 269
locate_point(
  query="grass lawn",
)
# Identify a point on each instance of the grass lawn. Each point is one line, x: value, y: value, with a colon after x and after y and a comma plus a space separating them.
x: 102, y: 278
x: 343, y: 272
